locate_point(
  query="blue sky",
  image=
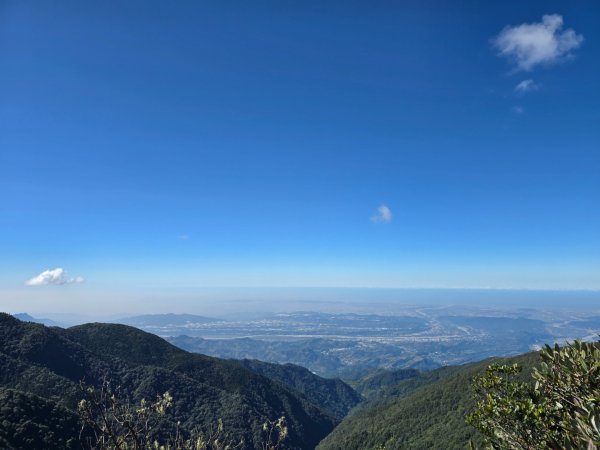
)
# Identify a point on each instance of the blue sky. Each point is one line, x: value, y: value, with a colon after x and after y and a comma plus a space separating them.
x: 146, y: 145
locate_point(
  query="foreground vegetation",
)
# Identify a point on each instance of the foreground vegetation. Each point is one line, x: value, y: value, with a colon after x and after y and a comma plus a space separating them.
x: 112, y: 423
x: 558, y: 409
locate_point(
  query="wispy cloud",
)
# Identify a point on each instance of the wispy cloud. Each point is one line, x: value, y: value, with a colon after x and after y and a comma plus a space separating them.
x: 518, y: 109
x: 526, y: 86
x: 56, y: 276
x: 183, y: 237
x: 541, y: 43
x: 384, y: 215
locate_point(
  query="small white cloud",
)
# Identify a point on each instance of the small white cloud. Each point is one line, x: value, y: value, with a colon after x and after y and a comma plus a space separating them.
x: 56, y: 276
x: 384, y: 215
x: 518, y: 109
x: 540, y: 43
x: 526, y: 86
x: 183, y: 237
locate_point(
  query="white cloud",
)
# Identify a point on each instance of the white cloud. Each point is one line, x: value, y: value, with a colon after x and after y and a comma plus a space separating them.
x: 384, y: 214
x: 56, y: 276
x: 518, y: 109
x: 526, y: 86
x: 540, y: 43
x: 183, y: 237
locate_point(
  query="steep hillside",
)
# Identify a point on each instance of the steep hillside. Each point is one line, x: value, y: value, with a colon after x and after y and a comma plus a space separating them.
x: 29, y: 421
x: 50, y: 362
x: 378, y: 382
x: 427, y: 412
x: 333, y: 395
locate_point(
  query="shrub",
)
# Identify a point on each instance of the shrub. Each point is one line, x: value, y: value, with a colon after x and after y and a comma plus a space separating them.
x: 557, y: 409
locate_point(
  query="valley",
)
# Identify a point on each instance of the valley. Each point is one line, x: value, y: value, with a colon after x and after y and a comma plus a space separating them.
x: 349, y: 345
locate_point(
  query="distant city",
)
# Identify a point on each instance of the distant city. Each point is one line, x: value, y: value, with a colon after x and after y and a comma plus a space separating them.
x: 349, y: 344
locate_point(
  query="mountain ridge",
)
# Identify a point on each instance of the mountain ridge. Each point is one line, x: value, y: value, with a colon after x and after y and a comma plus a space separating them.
x: 427, y: 412
x: 50, y: 362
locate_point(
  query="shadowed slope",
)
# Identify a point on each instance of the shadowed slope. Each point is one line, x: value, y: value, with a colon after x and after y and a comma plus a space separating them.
x: 50, y: 362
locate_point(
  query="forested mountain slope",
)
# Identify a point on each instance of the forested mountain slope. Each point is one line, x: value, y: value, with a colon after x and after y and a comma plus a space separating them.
x: 333, y: 395
x: 378, y: 382
x: 50, y: 362
x: 29, y: 421
x: 424, y: 412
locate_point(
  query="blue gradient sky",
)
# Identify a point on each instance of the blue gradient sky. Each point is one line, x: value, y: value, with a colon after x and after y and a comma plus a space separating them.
x: 147, y: 145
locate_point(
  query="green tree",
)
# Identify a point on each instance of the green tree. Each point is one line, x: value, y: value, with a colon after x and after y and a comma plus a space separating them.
x: 117, y: 424
x: 558, y: 408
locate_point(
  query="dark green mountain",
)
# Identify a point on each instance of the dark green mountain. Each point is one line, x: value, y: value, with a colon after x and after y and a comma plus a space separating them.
x: 425, y: 412
x: 29, y: 421
x: 378, y: 382
x: 333, y: 395
x: 50, y: 362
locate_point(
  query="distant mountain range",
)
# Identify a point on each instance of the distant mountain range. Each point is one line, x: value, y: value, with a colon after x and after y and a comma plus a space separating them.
x: 167, y: 324
x: 41, y: 369
x: 351, y: 345
x: 48, y: 322
x: 344, y: 358
x: 165, y: 320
